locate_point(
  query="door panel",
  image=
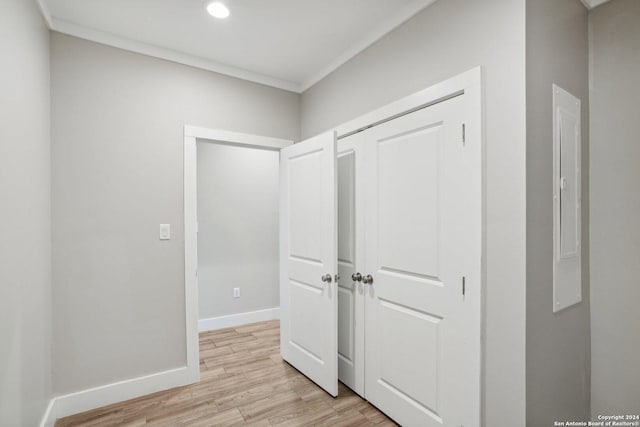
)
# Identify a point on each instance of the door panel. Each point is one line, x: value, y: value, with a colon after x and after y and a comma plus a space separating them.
x: 346, y: 207
x: 346, y: 266
x: 308, y: 245
x: 400, y: 369
x: 350, y: 258
x: 305, y: 210
x: 409, y: 237
x: 420, y: 244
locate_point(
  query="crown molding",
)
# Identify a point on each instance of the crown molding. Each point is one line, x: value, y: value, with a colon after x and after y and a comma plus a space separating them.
x: 102, y: 37
x: 80, y: 31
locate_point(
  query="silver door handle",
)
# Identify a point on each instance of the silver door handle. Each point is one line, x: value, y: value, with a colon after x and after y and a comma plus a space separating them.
x: 356, y: 277
x: 367, y: 280
x: 326, y: 278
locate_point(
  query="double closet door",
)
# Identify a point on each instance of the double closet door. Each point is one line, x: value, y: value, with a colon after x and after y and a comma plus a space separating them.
x: 380, y: 265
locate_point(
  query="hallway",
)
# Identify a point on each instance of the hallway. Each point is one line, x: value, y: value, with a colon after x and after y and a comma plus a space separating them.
x: 243, y: 381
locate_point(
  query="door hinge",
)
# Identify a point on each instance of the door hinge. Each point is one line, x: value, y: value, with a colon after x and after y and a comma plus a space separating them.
x: 464, y: 134
x: 464, y: 285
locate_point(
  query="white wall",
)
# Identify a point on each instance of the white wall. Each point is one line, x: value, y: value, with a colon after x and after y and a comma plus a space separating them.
x: 25, y: 247
x: 238, y: 206
x: 558, y: 346
x: 117, y: 171
x: 615, y: 208
x: 450, y: 37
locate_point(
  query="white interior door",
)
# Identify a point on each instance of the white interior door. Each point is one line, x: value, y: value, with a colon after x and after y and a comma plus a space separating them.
x: 423, y: 251
x: 350, y: 259
x: 308, y: 258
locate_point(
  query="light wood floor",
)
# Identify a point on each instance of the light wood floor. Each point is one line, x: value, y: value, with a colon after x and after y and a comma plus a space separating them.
x: 243, y: 382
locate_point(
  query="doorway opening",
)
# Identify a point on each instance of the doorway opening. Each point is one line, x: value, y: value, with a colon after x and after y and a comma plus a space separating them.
x: 231, y: 231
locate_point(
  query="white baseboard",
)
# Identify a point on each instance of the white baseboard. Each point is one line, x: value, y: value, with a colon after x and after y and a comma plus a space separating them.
x: 238, y: 319
x: 86, y: 400
x: 49, y: 417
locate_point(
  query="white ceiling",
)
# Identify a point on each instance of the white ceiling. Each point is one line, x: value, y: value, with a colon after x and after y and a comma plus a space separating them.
x: 290, y: 44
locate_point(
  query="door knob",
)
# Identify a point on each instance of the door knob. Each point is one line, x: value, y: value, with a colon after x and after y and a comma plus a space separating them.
x: 368, y: 279
x: 356, y: 277
x: 326, y: 278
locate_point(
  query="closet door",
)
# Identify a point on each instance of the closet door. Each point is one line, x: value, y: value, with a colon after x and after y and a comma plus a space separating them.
x: 308, y: 258
x: 423, y: 236
x: 350, y: 263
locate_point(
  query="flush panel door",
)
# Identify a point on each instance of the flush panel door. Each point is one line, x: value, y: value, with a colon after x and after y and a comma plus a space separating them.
x: 423, y: 241
x: 308, y: 259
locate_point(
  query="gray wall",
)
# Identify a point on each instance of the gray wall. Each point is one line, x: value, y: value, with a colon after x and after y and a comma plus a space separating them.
x: 238, y: 207
x: 25, y: 226
x: 450, y: 37
x: 558, y: 345
x: 117, y: 173
x: 615, y: 207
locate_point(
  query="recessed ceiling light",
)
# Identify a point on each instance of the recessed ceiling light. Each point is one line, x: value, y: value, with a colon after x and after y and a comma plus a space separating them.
x: 218, y: 10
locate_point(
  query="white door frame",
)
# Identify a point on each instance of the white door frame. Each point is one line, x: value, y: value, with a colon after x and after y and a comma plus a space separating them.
x: 470, y: 84
x: 191, y: 135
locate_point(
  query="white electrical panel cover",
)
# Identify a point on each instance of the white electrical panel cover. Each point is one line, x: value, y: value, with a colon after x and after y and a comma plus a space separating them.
x: 567, y: 259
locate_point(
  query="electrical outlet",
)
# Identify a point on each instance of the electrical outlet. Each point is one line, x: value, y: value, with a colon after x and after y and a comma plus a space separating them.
x: 236, y: 292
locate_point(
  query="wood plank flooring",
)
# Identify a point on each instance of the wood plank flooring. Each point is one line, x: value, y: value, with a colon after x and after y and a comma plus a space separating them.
x: 243, y: 382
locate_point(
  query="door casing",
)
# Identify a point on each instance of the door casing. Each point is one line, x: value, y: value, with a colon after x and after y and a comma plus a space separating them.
x: 191, y: 135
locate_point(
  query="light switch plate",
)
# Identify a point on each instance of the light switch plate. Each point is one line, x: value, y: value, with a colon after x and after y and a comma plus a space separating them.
x: 165, y: 231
